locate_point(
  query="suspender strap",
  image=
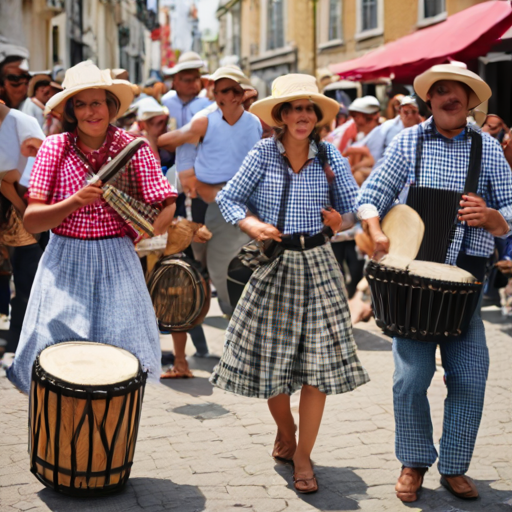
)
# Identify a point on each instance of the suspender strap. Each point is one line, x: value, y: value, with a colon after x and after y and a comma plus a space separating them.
x: 475, y: 163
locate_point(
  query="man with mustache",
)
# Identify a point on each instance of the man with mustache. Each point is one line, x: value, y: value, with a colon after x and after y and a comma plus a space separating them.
x: 426, y: 166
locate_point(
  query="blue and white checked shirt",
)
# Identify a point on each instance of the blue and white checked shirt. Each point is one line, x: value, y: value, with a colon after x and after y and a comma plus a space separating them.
x: 260, y: 180
x: 444, y: 165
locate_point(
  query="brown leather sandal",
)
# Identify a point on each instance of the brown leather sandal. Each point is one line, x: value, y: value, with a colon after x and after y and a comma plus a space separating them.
x: 173, y: 373
x: 308, y: 490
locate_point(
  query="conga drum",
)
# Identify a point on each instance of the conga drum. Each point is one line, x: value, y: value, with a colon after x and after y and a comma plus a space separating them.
x: 180, y: 293
x: 85, y: 405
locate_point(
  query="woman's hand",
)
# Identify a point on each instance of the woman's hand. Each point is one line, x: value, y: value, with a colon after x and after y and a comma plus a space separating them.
x: 86, y: 195
x: 259, y: 230
x: 332, y: 218
x: 476, y: 214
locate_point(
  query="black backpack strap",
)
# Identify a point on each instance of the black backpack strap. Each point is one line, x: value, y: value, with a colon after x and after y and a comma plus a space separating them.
x: 475, y: 163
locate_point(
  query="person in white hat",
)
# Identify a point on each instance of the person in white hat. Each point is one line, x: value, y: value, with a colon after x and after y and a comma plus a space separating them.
x: 40, y: 89
x: 291, y: 328
x: 183, y: 103
x: 224, y: 136
x: 89, y: 281
x: 459, y: 182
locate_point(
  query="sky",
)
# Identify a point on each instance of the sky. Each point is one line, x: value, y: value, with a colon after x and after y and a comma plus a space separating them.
x: 207, y: 19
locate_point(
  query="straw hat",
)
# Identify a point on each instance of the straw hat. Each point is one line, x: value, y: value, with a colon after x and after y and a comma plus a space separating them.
x: 290, y: 88
x: 147, y: 108
x: 480, y: 91
x: 409, y: 100
x: 187, y: 60
x: 233, y: 73
x: 85, y: 76
x: 41, y: 77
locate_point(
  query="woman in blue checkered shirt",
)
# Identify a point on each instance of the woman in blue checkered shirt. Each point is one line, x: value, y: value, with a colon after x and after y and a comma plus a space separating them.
x: 291, y: 329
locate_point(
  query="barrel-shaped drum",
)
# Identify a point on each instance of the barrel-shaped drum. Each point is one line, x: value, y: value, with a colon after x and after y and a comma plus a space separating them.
x: 85, y: 405
x: 180, y: 293
x: 427, y: 301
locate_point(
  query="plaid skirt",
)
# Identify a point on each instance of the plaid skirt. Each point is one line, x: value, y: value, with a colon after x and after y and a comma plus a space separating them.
x: 291, y: 327
x: 88, y: 290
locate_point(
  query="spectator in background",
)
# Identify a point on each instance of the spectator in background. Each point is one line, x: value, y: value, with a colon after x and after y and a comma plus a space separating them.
x: 496, y: 127
x: 367, y: 148
x: 40, y: 89
x: 14, y: 76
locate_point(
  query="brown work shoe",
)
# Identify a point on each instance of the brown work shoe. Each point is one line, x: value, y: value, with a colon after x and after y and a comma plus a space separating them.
x: 409, y: 483
x: 461, y: 486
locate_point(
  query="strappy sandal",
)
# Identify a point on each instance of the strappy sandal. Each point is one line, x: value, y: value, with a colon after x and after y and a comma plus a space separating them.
x: 173, y: 373
x: 307, y: 490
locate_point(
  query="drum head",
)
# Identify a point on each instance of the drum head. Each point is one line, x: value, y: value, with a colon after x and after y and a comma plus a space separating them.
x: 440, y: 271
x: 89, y: 363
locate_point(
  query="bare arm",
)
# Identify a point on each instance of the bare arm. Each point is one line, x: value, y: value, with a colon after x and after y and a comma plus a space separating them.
x: 41, y: 217
x: 191, y: 133
x: 8, y: 190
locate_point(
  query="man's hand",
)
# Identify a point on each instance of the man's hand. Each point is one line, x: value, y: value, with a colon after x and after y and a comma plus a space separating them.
x: 29, y: 147
x: 188, y: 182
x: 505, y: 266
x: 332, y: 218
x: 258, y: 230
x: 380, y: 240
x: 202, y: 235
x: 86, y: 195
x: 475, y: 213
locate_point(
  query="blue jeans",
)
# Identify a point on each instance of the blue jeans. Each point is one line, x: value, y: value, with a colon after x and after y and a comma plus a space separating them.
x: 466, y: 365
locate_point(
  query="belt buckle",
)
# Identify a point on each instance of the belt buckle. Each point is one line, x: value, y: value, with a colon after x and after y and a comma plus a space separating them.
x: 302, y: 242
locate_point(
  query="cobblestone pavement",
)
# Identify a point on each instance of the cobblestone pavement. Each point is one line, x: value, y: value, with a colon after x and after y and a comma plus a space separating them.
x: 203, y: 449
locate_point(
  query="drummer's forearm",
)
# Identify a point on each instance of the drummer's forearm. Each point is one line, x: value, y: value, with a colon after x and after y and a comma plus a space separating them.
x: 373, y: 226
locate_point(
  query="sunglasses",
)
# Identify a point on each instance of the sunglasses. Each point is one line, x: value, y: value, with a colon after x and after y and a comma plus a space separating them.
x: 17, y: 80
x: 234, y: 90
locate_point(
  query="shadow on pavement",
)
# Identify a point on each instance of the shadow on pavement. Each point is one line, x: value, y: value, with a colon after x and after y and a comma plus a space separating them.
x: 203, y: 363
x: 201, y: 412
x: 334, y: 487
x: 145, y: 494
x: 198, y: 386
x: 367, y: 341
x: 219, y: 322
x: 441, y: 500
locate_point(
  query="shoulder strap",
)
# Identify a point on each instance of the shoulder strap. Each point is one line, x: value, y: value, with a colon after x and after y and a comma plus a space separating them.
x: 281, y: 218
x: 475, y: 162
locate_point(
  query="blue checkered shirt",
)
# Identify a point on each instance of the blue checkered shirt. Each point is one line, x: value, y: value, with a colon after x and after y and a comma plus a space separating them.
x: 444, y: 165
x: 260, y: 181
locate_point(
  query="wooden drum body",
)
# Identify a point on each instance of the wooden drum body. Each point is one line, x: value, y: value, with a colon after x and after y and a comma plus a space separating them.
x: 410, y: 306
x: 85, y: 406
x: 179, y: 292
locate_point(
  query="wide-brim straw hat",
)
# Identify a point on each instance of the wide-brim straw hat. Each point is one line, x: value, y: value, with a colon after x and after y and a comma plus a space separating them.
x: 294, y: 86
x: 86, y: 75
x: 147, y: 108
x: 187, y: 60
x: 480, y: 91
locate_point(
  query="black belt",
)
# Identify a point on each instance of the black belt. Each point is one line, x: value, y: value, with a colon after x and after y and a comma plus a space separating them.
x: 303, y: 242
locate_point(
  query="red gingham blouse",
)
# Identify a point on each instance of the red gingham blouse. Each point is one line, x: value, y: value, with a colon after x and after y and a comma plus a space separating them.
x: 59, y: 172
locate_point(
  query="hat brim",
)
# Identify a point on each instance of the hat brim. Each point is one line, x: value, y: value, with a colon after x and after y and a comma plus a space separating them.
x: 245, y: 87
x: 263, y: 108
x: 480, y: 91
x: 35, y: 80
x: 122, y: 89
x: 185, y: 66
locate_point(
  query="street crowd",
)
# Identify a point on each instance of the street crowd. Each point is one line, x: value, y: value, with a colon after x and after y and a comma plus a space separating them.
x: 306, y: 176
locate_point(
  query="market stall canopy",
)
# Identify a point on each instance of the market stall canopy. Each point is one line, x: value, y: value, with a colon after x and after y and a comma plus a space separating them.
x: 462, y: 37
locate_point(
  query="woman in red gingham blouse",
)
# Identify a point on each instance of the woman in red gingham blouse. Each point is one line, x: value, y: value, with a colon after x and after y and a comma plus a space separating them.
x: 89, y: 284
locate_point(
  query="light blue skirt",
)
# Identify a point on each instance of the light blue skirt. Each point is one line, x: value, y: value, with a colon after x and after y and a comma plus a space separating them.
x: 88, y: 291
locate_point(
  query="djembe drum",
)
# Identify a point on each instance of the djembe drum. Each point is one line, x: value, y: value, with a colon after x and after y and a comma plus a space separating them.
x: 416, y: 299
x: 85, y: 405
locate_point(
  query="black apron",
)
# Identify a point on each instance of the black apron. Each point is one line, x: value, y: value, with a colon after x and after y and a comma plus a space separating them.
x: 438, y: 209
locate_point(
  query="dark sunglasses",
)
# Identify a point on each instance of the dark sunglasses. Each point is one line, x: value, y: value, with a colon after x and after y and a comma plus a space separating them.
x: 17, y: 80
x: 234, y: 90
